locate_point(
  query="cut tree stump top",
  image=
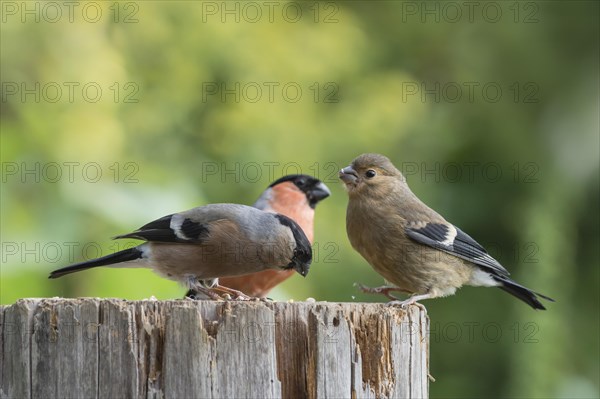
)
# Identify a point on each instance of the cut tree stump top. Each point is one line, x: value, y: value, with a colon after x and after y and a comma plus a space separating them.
x: 109, y: 348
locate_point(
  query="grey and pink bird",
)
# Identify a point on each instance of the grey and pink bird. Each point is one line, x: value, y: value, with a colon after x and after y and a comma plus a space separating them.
x: 198, y: 246
x: 296, y: 197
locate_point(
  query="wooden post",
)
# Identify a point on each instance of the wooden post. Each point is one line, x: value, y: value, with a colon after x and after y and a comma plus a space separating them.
x: 108, y: 348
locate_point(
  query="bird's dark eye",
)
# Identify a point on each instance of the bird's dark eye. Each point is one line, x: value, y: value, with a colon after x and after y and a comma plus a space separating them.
x: 370, y: 173
x: 300, y: 182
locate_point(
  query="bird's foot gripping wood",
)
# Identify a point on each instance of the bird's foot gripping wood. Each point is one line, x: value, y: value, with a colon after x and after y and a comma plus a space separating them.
x: 384, y: 290
x: 234, y: 294
x: 411, y: 301
x: 198, y: 294
x: 217, y: 293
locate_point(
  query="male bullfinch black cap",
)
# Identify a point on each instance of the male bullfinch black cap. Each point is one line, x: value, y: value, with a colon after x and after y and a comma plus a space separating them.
x: 314, y: 189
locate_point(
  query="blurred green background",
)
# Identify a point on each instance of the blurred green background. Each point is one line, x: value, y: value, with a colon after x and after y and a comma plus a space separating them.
x: 114, y: 114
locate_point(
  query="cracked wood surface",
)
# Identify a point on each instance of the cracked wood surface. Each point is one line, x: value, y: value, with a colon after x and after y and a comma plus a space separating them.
x: 109, y: 348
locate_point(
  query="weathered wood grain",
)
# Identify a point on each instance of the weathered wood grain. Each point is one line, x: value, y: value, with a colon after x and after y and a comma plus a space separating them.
x: 92, y: 348
x: 15, y: 356
x: 64, y: 350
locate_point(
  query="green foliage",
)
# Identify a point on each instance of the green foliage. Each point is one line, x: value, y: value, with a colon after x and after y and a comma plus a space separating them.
x: 518, y: 172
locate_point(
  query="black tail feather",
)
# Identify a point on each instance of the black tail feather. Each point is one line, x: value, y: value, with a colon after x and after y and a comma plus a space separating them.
x: 118, y: 257
x: 523, y: 293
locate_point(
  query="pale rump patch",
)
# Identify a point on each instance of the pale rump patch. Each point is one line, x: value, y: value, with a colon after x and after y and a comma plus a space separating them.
x: 480, y: 278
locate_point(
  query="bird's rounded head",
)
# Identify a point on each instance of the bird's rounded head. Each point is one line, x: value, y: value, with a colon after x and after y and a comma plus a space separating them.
x: 370, y: 172
x: 312, y: 188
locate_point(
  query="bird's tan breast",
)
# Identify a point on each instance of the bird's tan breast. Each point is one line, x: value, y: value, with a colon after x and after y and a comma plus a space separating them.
x: 379, y: 236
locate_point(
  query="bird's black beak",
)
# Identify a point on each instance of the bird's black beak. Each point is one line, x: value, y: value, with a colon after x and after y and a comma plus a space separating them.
x: 318, y: 193
x: 302, y: 268
x: 348, y: 175
x: 321, y: 191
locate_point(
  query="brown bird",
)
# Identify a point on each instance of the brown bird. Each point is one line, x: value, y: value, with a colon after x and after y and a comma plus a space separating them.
x: 296, y: 197
x: 411, y: 245
x: 198, y: 246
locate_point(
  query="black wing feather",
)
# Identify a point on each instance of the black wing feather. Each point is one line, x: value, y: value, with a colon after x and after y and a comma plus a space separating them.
x: 164, y: 223
x: 463, y: 246
x: 160, y: 230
